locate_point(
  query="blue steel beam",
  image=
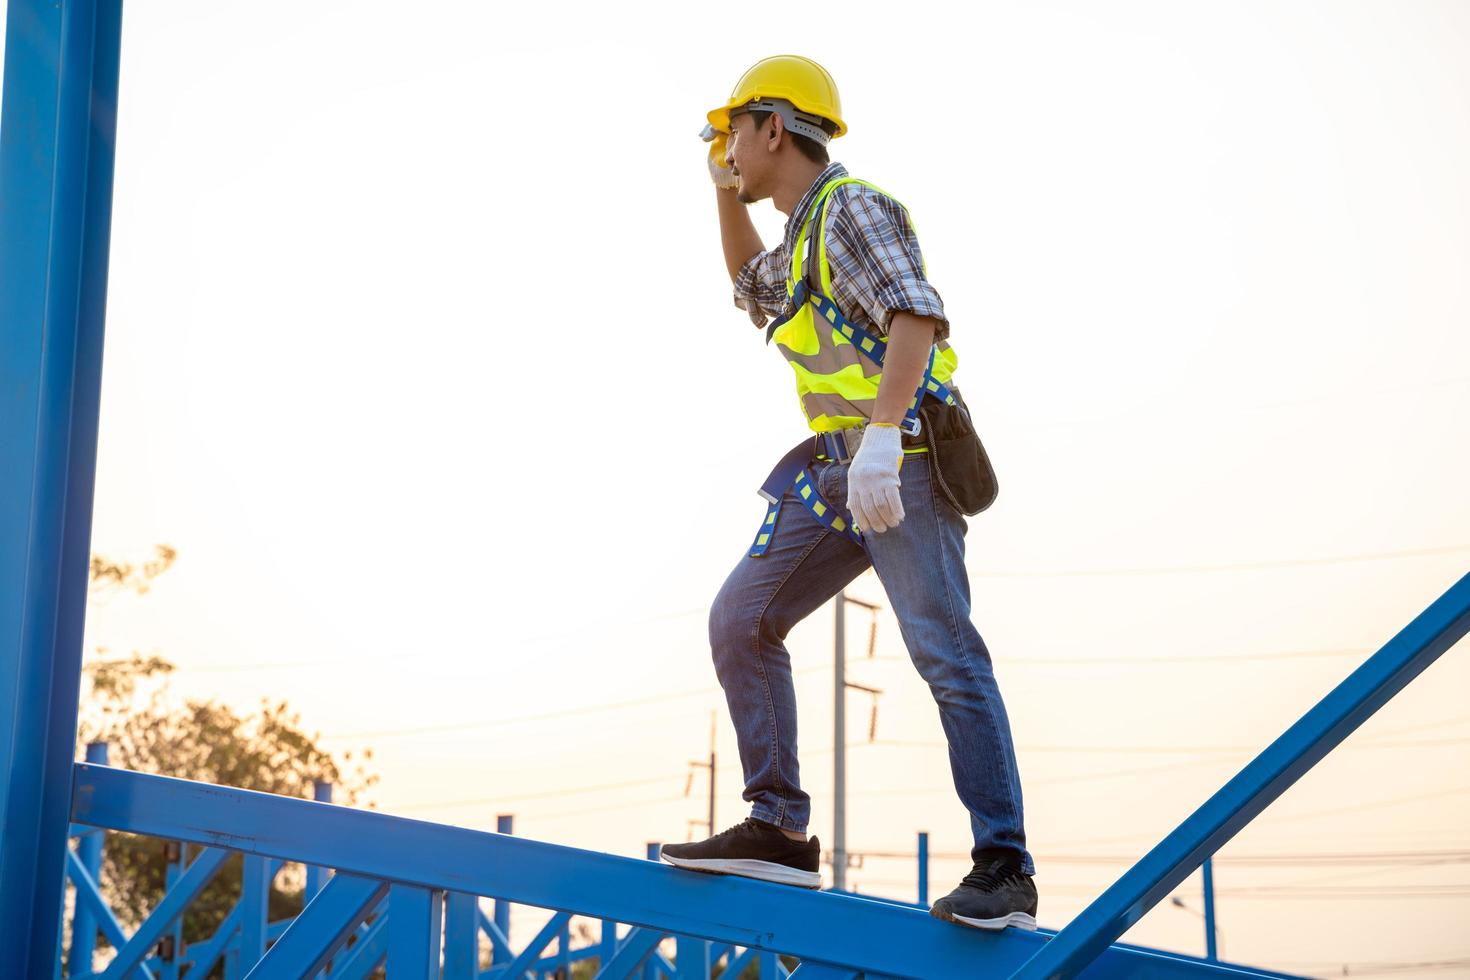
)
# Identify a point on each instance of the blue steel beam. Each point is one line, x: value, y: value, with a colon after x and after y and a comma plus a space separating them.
x: 878, y: 936
x: 1269, y: 775
x: 57, y: 127
x: 321, y: 928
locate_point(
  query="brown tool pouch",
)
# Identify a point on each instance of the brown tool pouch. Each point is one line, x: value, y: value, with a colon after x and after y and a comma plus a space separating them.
x: 960, y: 467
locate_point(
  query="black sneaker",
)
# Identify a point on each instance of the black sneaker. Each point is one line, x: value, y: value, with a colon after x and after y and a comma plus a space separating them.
x: 995, y: 894
x: 752, y: 849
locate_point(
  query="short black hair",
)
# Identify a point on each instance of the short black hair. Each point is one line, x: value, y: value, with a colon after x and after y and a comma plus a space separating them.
x: 810, y: 148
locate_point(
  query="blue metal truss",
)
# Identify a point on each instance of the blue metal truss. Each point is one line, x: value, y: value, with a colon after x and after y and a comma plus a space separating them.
x: 420, y: 859
x: 402, y: 884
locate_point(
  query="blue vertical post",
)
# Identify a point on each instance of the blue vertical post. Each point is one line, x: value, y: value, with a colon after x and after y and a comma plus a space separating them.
x: 174, y: 937
x: 89, y: 851
x: 57, y: 130
x: 462, y: 937
x: 254, y: 907
x: 317, y: 877
x: 1210, y: 952
x: 691, y: 958
x: 609, y: 946
x: 923, y: 867
x: 415, y: 923
x: 649, y: 971
x: 500, y: 912
x: 564, y: 951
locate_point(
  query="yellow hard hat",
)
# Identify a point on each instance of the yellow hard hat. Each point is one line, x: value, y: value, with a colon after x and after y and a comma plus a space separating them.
x: 802, y: 82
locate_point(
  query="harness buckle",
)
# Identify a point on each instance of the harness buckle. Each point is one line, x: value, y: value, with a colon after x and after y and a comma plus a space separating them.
x: 912, y: 426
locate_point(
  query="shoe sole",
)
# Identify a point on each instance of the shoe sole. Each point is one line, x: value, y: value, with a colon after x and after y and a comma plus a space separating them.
x: 1017, y: 920
x: 748, y: 868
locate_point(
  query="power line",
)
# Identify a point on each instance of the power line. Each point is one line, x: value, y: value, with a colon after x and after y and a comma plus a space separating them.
x: 1371, y: 805
x: 1372, y: 968
x: 1178, y: 661
x: 1227, y: 567
x: 546, y: 716
x: 496, y: 800
x: 1344, y: 859
x: 601, y: 809
x: 357, y: 663
x: 1176, y: 749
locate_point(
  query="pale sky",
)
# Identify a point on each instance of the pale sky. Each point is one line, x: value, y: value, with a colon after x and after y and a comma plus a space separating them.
x: 421, y: 352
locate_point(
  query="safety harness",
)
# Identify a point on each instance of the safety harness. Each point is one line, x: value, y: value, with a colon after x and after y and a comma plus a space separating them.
x: 793, y: 471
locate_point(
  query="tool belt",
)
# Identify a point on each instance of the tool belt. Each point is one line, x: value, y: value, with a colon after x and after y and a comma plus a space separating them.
x: 960, y: 466
x: 958, y: 461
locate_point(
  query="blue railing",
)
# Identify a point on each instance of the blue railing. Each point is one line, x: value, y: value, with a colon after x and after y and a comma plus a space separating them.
x: 427, y: 874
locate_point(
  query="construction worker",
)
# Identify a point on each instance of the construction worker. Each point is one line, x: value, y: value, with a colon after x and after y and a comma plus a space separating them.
x: 866, y: 335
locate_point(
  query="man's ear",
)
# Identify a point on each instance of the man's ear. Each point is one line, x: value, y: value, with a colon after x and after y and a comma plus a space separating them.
x: 778, y: 130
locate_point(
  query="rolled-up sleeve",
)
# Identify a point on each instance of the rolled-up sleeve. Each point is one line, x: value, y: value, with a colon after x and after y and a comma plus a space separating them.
x: 760, y: 286
x: 871, y: 237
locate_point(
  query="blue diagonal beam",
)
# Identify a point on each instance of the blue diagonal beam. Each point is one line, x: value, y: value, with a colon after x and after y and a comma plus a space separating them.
x: 810, y: 970
x: 178, y: 898
x: 532, y: 952
x: 90, y: 895
x: 370, y: 950
x: 321, y: 928
x: 499, y: 942
x: 635, y: 949
x: 1269, y: 775
x: 203, y: 956
x: 845, y: 931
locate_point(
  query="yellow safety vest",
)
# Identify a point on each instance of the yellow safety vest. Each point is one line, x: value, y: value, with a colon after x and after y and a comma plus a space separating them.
x: 836, y: 383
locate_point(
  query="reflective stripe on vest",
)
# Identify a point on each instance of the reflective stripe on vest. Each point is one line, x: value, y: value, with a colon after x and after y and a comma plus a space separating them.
x: 836, y: 382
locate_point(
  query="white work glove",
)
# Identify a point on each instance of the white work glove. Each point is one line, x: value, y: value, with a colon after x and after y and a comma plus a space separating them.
x: 722, y: 175
x: 872, y: 480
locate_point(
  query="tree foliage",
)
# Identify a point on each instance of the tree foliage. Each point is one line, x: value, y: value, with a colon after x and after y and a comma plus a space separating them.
x: 127, y: 704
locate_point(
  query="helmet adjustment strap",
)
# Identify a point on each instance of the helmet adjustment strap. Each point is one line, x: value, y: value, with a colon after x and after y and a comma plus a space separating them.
x: 801, y: 123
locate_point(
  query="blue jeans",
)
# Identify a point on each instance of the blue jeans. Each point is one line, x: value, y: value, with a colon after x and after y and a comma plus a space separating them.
x: 921, y: 566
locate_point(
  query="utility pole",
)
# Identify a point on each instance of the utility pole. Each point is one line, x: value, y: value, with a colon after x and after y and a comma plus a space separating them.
x: 710, y: 765
x: 1211, y: 953
x: 839, y: 754
x: 839, y: 731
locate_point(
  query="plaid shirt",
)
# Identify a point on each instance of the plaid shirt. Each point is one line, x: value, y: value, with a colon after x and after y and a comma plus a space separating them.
x: 877, y: 270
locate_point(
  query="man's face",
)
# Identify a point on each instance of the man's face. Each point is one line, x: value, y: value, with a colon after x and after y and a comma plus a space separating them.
x: 748, y: 155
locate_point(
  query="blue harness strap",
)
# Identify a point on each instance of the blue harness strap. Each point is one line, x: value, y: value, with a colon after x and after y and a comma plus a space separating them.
x: 792, y: 472
x: 874, y: 348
